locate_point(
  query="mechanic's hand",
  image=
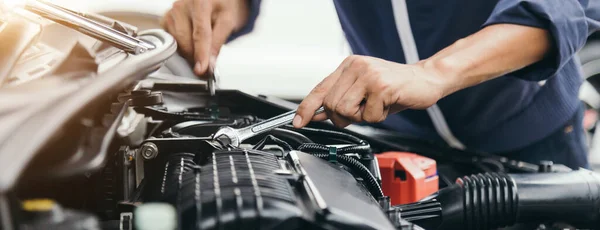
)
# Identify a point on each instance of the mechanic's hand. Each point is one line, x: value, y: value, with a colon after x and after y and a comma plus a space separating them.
x: 201, y: 27
x: 368, y: 89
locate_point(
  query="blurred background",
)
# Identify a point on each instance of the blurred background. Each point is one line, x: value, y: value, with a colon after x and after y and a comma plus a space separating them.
x: 308, y: 29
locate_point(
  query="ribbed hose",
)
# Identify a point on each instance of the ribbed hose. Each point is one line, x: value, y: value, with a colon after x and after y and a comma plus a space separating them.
x: 359, y: 169
x: 319, y: 148
x: 484, y: 201
x: 177, y: 168
x: 489, y: 201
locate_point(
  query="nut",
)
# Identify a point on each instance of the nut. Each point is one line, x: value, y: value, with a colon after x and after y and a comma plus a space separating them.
x: 149, y: 151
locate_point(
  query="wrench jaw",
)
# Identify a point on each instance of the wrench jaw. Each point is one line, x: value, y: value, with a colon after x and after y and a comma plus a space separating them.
x: 227, y: 136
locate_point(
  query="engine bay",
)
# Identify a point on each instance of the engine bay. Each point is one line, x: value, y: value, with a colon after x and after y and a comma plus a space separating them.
x: 95, y: 137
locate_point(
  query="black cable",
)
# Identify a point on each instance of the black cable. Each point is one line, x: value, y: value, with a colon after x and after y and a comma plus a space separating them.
x: 322, y: 151
x: 329, y: 133
x: 291, y: 136
x: 261, y: 144
x: 359, y: 169
x: 499, y: 167
x: 320, y: 148
x: 137, y: 193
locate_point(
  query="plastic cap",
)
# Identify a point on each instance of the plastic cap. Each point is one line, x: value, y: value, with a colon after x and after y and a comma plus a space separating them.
x: 155, y: 216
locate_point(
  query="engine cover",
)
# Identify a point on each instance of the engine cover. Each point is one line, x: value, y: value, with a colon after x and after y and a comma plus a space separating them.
x: 250, y: 189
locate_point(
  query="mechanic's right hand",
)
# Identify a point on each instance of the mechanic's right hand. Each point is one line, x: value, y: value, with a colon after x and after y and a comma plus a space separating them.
x: 201, y: 27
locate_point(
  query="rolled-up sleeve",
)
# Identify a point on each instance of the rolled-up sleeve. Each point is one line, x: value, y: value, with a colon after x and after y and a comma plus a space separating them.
x: 254, y: 8
x: 569, y: 22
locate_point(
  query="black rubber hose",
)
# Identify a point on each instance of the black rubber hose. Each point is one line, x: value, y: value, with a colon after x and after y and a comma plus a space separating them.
x: 261, y: 144
x: 176, y: 167
x: 359, y: 169
x: 294, y: 138
x: 490, y: 201
x: 319, y: 148
x: 329, y: 133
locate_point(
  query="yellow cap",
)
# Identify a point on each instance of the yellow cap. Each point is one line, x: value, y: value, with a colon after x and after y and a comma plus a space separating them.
x: 38, y: 205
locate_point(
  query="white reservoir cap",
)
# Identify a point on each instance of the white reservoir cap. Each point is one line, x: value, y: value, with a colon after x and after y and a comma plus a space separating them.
x: 155, y: 216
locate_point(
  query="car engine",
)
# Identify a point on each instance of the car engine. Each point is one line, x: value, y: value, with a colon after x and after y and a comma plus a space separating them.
x: 96, y: 135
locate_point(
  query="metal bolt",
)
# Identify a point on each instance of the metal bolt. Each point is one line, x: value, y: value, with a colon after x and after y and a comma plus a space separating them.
x: 149, y: 151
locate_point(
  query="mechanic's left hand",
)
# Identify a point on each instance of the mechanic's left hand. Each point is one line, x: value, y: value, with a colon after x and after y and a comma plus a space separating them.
x: 368, y: 89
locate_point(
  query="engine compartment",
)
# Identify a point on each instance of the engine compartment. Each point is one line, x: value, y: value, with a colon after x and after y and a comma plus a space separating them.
x: 105, y: 139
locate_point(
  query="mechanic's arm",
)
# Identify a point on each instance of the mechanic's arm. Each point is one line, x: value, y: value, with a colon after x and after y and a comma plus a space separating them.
x: 201, y: 27
x: 533, y: 38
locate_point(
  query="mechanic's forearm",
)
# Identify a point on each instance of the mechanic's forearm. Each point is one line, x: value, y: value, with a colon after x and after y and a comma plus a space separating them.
x: 489, y: 53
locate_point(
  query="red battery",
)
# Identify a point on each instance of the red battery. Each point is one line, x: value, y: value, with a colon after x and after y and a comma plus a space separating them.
x: 407, y: 177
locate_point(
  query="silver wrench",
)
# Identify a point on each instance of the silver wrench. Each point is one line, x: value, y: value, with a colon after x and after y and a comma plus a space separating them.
x: 88, y: 27
x: 230, y: 136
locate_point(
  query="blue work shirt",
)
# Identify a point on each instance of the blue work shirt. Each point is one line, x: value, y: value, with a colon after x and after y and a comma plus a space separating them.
x: 504, y: 114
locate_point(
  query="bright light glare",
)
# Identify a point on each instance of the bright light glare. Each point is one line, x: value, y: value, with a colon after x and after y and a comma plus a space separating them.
x: 13, y: 3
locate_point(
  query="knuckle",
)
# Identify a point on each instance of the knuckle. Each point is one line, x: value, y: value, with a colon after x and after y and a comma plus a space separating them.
x: 199, y: 33
x: 374, y: 72
x: 349, y: 59
x: 373, y: 117
x: 166, y: 21
x: 380, y: 86
x: 228, y: 21
x: 339, y: 122
x: 349, y: 111
x: 320, y: 89
x: 179, y: 4
x: 359, y: 63
x: 345, y: 109
x: 369, y: 118
x: 328, y: 104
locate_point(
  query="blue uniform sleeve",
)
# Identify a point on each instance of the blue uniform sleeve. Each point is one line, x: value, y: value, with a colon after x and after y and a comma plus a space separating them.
x: 569, y: 22
x: 254, y: 6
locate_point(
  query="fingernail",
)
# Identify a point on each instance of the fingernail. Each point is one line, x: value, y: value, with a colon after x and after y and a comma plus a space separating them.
x: 297, y: 121
x: 198, y: 67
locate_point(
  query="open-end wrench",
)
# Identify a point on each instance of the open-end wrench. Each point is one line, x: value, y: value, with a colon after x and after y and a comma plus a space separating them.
x: 234, y: 137
x: 88, y: 26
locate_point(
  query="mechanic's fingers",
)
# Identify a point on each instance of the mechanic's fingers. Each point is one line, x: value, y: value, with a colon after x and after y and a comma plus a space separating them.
x: 310, y: 104
x: 314, y: 100
x: 375, y: 109
x: 202, y: 34
x: 342, y: 86
x: 350, y: 104
x: 222, y: 29
x: 163, y: 21
x: 338, y: 120
x: 182, y: 29
x: 320, y: 117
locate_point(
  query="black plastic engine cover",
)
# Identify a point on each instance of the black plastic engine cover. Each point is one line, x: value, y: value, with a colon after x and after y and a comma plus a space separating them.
x: 349, y: 203
x: 249, y: 189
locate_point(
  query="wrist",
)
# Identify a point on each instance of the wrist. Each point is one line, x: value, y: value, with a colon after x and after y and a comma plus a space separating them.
x: 447, y: 71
